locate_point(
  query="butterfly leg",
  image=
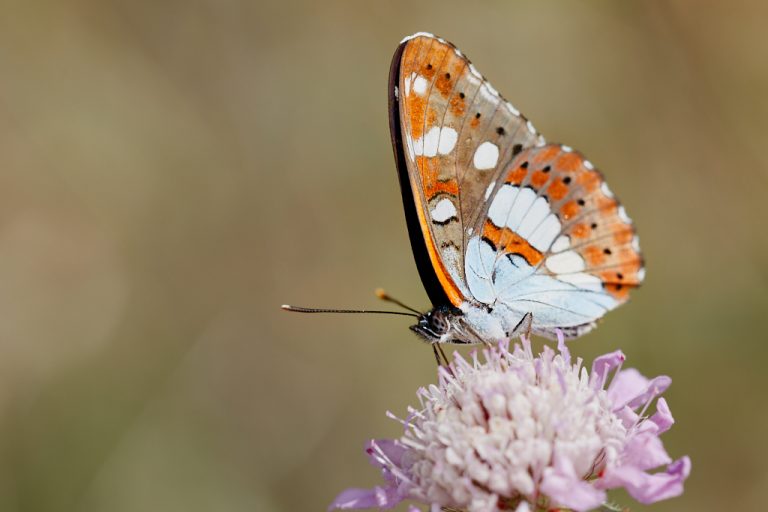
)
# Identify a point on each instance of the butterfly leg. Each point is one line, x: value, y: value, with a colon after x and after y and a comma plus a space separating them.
x: 437, y: 355
x: 440, y: 357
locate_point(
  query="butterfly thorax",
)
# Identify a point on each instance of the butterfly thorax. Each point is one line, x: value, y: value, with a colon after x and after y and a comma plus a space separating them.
x: 469, y: 324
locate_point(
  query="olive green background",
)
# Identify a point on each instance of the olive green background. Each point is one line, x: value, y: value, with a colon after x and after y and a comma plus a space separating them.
x: 171, y: 172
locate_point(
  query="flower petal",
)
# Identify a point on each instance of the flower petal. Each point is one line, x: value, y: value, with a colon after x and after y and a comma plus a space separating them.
x: 656, y: 386
x: 389, y: 448
x: 645, y: 451
x: 604, y: 364
x: 648, y: 488
x: 663, y: 417
x: 566, y: 489
x: 562, y: 348
x: 378, y: 497
x: 626, y: 386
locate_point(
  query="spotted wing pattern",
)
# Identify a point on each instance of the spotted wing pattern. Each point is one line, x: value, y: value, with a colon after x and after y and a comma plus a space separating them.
x: 554, y: 241
x: 457, y: 135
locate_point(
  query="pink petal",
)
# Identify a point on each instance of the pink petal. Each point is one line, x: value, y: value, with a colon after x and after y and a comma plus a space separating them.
x: 604, y: 364
x: 562, y: 348
x: 566, y: 489
x: 656, y: 386
x: 645, y: 451
x: 366, y: 498
x: 390, y: 448
x: 627, y: 385
x: 628, y: 417
x: 648, y: 488
x: 663, y: 417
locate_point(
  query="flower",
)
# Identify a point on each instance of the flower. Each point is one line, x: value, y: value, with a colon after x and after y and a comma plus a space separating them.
x: 522, y: 432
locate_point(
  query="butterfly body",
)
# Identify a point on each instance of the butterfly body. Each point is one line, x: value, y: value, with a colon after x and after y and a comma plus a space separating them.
x: 502, y: 224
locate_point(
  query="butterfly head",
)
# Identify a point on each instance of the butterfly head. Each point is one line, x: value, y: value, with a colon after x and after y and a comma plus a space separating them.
x: 440, y: 325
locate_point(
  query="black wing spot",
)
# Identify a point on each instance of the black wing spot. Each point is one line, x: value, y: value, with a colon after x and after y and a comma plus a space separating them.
x: 447, y: 76
x: 594, y: 225
x: 516, y: 149
x: 446, y: 221
x: 581, y: 202
x: 606, y: 251
x: 619, y: 275
x: 429, y: 66
x: 500, y: 130
x: 524, y: 165
x: 567, y: 180
x: 546, y: 169
x: 477, y: 116
x: 461, y: 95
x: 489, y: 242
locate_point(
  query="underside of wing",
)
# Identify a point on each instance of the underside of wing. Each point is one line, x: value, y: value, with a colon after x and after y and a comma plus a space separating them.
x: 554, y: 242
x: 453, y: 135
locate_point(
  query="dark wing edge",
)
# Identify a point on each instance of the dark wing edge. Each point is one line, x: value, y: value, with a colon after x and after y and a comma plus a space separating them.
x: 426, y: 270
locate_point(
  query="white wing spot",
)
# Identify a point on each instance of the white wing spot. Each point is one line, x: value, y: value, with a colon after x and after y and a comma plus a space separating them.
x: 562, y: 243
x: 605, y: 189
x: 427, y: 145
x: 490, y: 88
x: 473, y: 70
x: 641, y: 275
x: 589, y: 165
x: 530, y: 127
x: 512, y: 109
x: 420, y: 85
x: 396, y: 92
x: 486, y: 156
x: 636, y: 243
x: 436, y: 140
x: 623, y: 215
x: 583, y: 280
x: 443, y: 210
x: 567, y: 149
x: 448, y: 138
x: 417, y: 34
x: 544, y: 233
x: 566, y: 262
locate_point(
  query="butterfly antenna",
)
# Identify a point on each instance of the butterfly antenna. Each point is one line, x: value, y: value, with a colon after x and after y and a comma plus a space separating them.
x: 299, y: 309
x: 380, y: 293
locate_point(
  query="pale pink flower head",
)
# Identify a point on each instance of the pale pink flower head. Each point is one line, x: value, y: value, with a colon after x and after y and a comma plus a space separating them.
x: 526, y: 433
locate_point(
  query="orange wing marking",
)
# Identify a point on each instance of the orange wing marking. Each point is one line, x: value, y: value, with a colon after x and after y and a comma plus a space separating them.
x: 513, y: 243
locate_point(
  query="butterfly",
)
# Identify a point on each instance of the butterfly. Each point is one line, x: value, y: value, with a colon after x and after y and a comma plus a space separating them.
x: 510, y: 233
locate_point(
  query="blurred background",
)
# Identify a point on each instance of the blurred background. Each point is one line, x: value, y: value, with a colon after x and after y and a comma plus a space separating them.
x: 171, y: 172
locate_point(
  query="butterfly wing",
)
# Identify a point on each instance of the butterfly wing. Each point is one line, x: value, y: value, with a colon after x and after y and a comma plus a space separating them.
x: 453, y: 135
x: 555, y: 242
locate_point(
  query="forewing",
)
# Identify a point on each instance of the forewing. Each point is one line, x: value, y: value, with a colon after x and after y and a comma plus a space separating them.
x: 554, y: 241
x: 454, y: 134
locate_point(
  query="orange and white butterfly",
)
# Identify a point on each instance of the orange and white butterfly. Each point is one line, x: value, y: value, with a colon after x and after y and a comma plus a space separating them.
x: 509, y: 233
